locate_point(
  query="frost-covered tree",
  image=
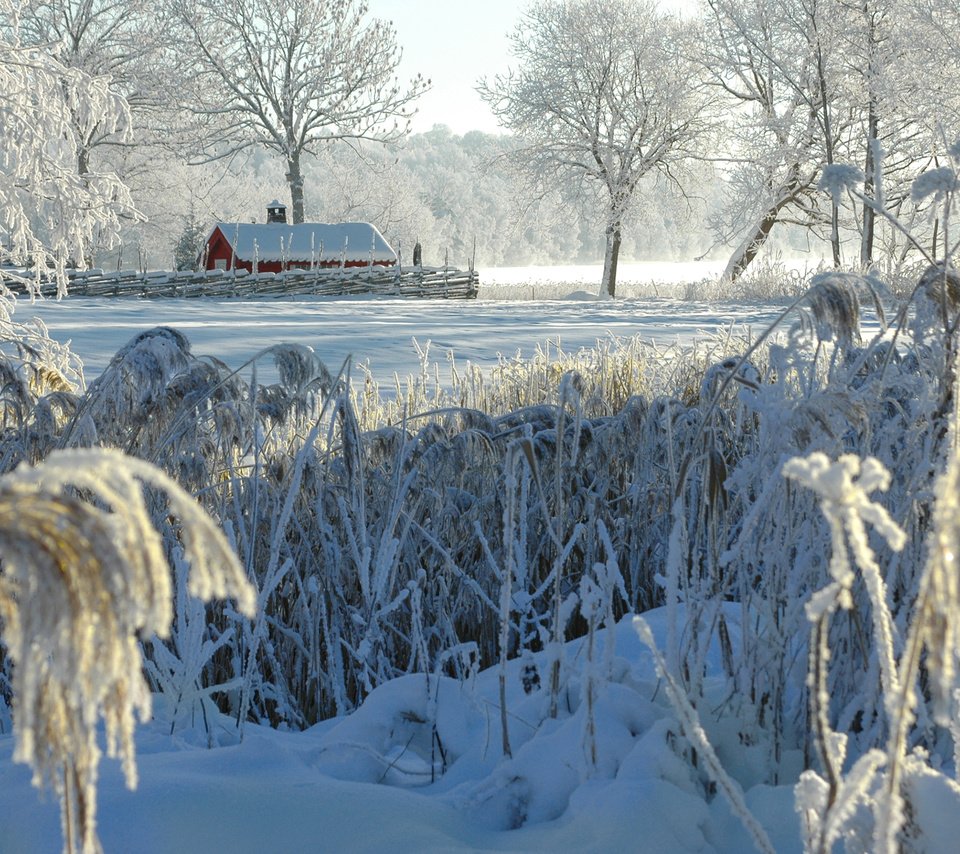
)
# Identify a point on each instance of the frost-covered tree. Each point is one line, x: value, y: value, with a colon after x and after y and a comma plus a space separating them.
x: 897, y: 97
x: 290, y: 75
x: 604, y: 93
x: 925, y: 102
x: 121, y: 41
x: 933, y: 25
x: 873, y: 41
x: 190, y: 244
x: 774, y: 61
x: 131, y: 43
x: 49, y: 214
x: 812, y: 83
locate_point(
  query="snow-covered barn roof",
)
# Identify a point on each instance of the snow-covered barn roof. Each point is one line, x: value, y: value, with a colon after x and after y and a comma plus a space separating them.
x: 307, y: 241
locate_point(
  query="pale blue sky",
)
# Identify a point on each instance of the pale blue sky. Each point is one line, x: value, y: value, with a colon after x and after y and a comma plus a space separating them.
x: 454, y: 42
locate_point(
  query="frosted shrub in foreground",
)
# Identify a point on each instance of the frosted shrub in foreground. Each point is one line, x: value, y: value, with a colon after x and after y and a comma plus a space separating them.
x: 83, y: 575
x: 828, y: 804
x: 831, y: 800
x: 826, y: 800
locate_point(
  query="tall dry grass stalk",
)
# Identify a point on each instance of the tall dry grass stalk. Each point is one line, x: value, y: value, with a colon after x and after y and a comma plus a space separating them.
x: 84, y: 574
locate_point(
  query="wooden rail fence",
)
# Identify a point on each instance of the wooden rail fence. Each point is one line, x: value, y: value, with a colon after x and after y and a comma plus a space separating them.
x: 420, y: 282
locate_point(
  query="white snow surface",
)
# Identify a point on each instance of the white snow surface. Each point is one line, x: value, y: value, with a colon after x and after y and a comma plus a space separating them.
x: 363, y: 783
x: 380, y: 332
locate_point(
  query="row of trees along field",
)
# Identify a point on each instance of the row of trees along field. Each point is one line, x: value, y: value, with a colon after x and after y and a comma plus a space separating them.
x: 629, y: 129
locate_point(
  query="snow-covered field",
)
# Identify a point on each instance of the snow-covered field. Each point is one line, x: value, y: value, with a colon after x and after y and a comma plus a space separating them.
x: 380, y: 333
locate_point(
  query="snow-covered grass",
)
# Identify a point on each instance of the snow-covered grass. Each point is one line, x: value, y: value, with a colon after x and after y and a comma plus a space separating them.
x: 438, y: 569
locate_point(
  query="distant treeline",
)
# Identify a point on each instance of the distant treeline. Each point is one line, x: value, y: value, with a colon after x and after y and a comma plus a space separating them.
x: 454, y: 193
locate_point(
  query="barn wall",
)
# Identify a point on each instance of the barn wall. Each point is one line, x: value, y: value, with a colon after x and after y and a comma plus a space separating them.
x: 218, y: 249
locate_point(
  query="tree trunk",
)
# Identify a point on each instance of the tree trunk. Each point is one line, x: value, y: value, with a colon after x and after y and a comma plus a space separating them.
x: 83, y: 162
x: 790, y: 191
x: 871, y: 176
x: 835, y: 234
x: 870, y: 184
x: 295, y: 181
x: 611, y: 258
x: 827, y: 125
x: 751, y: 247
x: 83, y: 170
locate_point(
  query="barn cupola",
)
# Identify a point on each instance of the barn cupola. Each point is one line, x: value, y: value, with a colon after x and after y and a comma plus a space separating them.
x: 277, y: 212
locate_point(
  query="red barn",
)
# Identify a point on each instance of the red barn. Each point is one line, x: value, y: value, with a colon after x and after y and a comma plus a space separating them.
x: 275, y: 246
